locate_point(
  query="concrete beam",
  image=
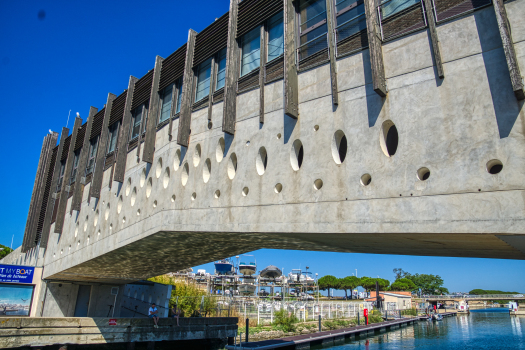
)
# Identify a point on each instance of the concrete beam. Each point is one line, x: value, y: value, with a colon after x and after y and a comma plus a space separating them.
x: 431, y: 22
x: 79, y: 181
x: 330, y: 18
x: 374, y: 46
x: 183, y: 135
x: 232, y: 72
x: 96, y: 181
x: 153, y: 114
x: 64, y: 192
x: 122, y: 148
x: 508, y: 47
x: 291, y: 89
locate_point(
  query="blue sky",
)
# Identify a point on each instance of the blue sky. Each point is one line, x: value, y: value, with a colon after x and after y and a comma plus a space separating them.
x: 11, y: 294
x: 58, y: 56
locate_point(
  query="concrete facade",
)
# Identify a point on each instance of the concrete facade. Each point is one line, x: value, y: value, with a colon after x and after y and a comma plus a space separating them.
x: 216, y: 198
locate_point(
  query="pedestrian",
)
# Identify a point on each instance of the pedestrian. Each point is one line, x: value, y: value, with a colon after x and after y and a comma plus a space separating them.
x: 176, y: 313
x: 153, y: 313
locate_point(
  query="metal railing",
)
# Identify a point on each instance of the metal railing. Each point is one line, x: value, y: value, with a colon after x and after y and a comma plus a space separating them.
x: 474, y: 297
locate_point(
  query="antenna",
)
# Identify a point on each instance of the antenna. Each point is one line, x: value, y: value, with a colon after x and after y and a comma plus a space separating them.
x: 68, y: 118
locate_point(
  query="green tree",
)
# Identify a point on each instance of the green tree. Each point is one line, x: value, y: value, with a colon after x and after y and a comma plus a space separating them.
x: 403, y: 284
x: 383, y: 283
x: 328, y: 282
x: 429, y: 284
x: 367, y: 283
x: 348, y: 283
x: 4, y: 251
x: 400, y: 273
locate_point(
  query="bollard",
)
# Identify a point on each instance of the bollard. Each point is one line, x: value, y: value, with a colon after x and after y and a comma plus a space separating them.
x: 247, y: 328
x: 386, y: 315
x: 358, y: 318
x: 320, y: 322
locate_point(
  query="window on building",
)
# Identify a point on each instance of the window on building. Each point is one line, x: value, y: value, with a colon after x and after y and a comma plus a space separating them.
x: 61, y: 174
x: 350, y: 18
x: 92, y: 156
x: 136, y: 119
x: 179, y: 96
x: 275, y: 36
x: 221, y: 69
x: 203, y: 80
x: 250, y: 48
x: 75, y: 167
x: 391, y: 7
x: 312, y: 27
x: 113, y: 137
x: 165, y: 103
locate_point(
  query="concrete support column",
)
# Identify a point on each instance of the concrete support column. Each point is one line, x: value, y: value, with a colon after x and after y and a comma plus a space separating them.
x: 232, y: 72
x: 375, y: 48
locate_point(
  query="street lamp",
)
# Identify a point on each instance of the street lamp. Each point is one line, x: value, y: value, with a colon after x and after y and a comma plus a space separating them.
x: 355, y: 272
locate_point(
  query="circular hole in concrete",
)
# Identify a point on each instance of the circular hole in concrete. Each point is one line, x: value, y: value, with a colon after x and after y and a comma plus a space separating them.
x: 278, y: 136
x: 318, y: 184
x: 247, y: 143
x: 98, y: 234
x: 193, y: 196
x: 219, y: 150
x: 138, y: 212
x: 185, y: 174
x: 124, y: 220
x: 389, y: 138
x: 128, y: 186
x: 158, y: 169
x: 232, y: 166
x: 296, y: 155
x: 316, y: 127
x: 110, y: 227
x: 197, y: 155
x: 423, y: 174
x: 143, y: 177
x: 78, y: 243
x: 494, y: 166
x: 206, y: 170
x: 261, y: 161
x: 339, y: 147
x: 173, y: 198
x: 217, y: 194
x: 154, y: 204
x: 149, y: 187
x: 245, y: 191
x: 133, y: 196
x: 176, y: 160
x: 87, y: 239
x: 166, y: 178
x: 95, y: 221
x: 278, y: 188
x: 366, y: 179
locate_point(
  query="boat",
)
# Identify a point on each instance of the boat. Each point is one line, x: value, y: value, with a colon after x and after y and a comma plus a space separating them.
x: 247, y: 289
x: 271, y: 272
x: 247, y: 269
x: 224, y: 267
x: 296, y: 276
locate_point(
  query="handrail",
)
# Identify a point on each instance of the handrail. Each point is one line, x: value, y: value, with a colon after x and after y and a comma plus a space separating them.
x: 350, y: 20
x: 483, y: 296
x: 308, y: 42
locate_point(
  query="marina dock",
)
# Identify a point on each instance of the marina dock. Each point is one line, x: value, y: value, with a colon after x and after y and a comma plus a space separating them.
x: 329, y: 338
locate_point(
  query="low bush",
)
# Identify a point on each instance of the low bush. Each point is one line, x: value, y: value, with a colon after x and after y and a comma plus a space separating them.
x: 284, y: 321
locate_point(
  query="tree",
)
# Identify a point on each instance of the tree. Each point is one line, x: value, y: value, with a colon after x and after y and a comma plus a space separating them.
x: 348, y: 283
x: 4, y: 251
x: 328, y: 282
x: 429, y: 284
x: 367, y: 283
x: 400, y: 273
x: 403, y: 284
x: 383, y: 283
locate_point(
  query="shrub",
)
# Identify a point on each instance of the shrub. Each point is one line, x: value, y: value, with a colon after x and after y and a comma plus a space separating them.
x: 411, y: 312
x: 285, y: 321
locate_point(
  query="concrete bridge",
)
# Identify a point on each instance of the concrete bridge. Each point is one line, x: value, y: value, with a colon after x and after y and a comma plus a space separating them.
x: 389, y: 143
x: 486, y: 297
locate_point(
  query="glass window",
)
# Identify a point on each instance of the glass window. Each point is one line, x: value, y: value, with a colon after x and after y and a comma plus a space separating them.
x: 312, y: 27
x: 92, y: 155
x: 136, y: 120
x: 275, y: 36
x: 350, y: 18
x: 75, y: 167
x: 179, y: 98
x: 112, y: 137
x: 251, y: 47
x: 203, y: 80
x: 165, y: 108
x: 61, y: 174
x: 390, y: 7
x: 221, y: 69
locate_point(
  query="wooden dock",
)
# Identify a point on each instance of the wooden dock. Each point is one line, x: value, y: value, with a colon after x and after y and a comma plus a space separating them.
x: 329, y: 338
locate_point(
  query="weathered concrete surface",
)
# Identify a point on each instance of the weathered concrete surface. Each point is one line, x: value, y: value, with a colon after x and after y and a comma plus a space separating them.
x: 17, y: 332
x: 168, y: 215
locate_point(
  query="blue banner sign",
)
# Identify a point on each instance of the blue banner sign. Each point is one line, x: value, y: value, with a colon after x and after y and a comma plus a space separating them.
x: 16, y: 274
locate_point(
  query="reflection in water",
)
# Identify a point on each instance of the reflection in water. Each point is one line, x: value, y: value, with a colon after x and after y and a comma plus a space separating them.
x: 482, y: 329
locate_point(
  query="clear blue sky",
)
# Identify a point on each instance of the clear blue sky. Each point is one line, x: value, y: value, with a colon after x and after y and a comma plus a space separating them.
x: 71, y: 57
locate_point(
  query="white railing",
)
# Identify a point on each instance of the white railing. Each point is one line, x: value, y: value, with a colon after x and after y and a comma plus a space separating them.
x: 470, y: 297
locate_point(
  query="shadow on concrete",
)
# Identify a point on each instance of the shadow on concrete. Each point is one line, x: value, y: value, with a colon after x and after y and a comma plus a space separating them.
x: 228, y: 139
x: 183, y: 151
x: 289, y: 126
x: 506, y: 106
x: 374, y: 102
x: 439, y: 81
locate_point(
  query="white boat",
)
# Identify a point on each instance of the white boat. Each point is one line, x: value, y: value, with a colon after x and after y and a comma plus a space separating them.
x: 247, y: 269
x: 247, y: 289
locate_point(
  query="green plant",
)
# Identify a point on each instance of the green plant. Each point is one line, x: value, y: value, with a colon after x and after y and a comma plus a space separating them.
x: 5, y: 251
x: 331, y: 325
x: 285, y: 321
x: 410, y: 312
x: 374, y: 318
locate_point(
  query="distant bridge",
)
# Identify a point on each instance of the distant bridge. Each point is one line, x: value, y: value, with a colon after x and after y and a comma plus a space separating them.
x: 484, y: 297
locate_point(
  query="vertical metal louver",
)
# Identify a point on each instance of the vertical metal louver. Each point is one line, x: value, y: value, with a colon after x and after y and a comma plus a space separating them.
x: 211, y: 40
x: 253, y: 13
x: 98, y: 119
x: 446, y: 9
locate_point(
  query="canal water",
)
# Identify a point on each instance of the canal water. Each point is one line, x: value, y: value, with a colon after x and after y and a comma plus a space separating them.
x: 482, y: 329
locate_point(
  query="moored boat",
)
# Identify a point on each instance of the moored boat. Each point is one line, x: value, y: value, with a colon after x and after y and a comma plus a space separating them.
x: 271, y: 272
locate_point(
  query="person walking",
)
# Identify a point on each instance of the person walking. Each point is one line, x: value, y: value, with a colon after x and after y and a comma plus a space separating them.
x: 153, y: 313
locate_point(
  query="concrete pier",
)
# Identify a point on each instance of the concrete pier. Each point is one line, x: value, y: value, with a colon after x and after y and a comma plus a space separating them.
x: 42, y: 331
